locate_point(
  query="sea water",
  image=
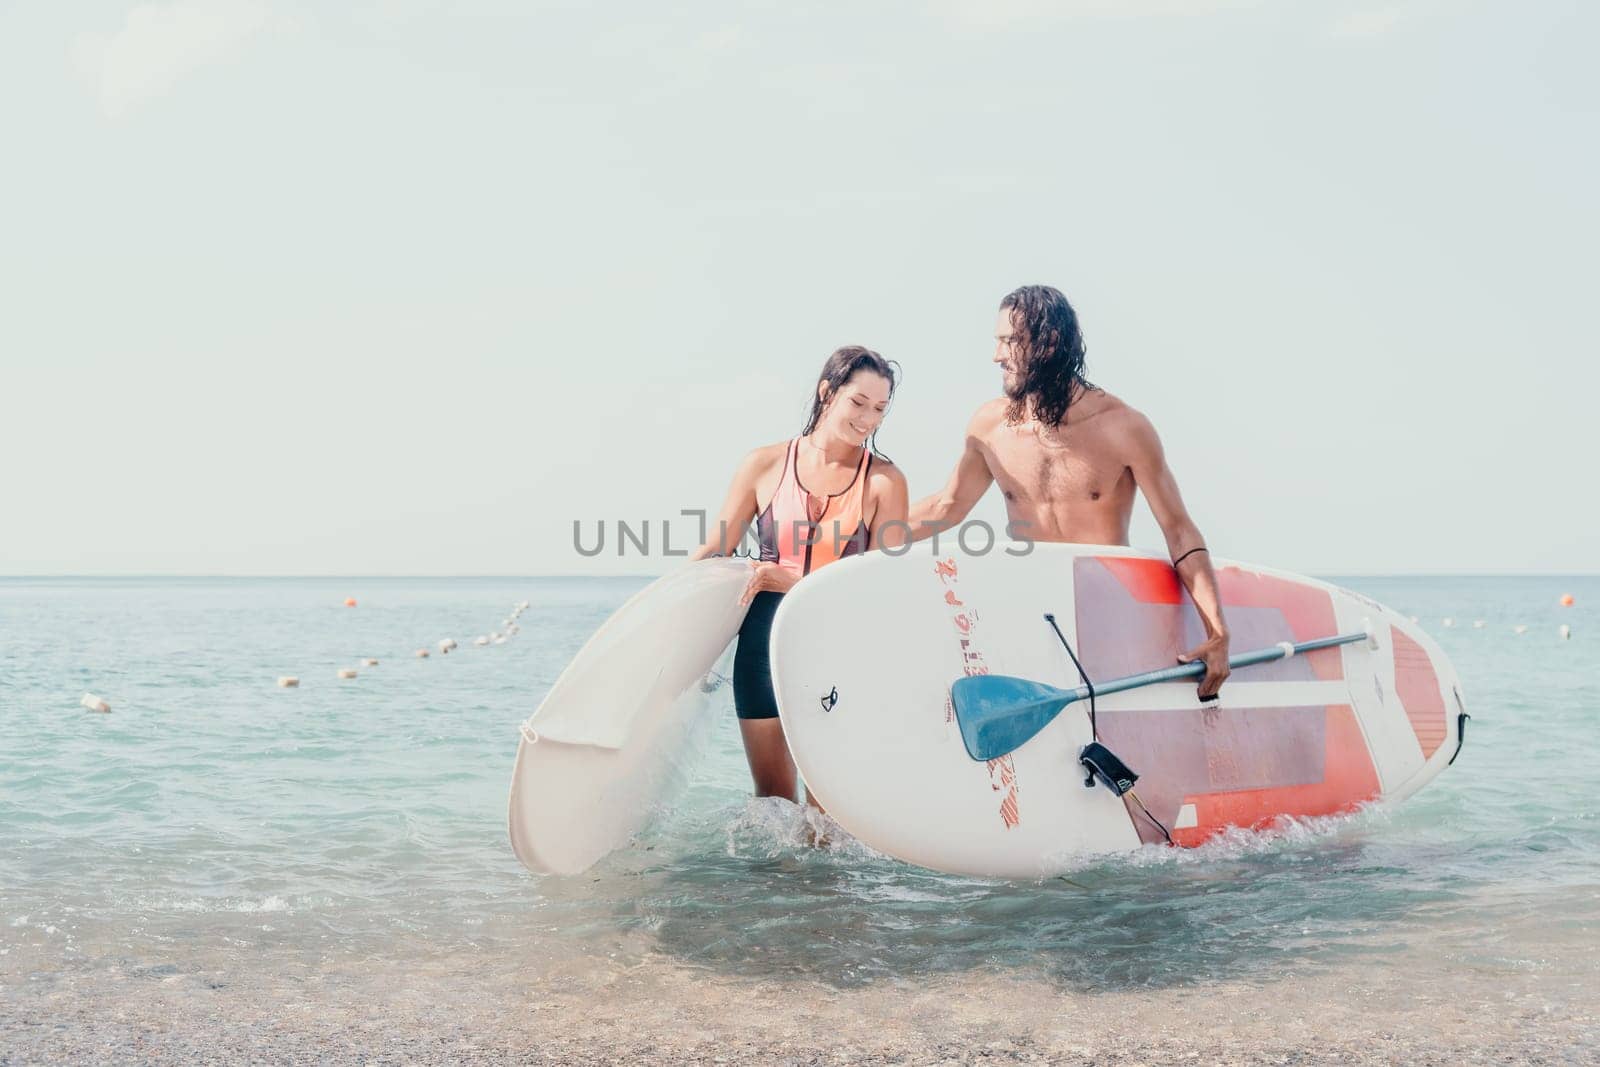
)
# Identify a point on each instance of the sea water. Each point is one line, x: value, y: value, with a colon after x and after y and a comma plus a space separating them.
x: 216, y: 825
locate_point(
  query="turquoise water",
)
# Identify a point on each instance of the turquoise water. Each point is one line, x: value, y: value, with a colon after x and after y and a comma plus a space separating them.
x: 216, y: 820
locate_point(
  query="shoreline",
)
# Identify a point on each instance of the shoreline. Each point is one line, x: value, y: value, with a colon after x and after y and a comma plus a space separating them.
x: 665, y: 1012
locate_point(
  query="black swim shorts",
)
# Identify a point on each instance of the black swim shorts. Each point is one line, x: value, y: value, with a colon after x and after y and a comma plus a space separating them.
x: 753, y: 697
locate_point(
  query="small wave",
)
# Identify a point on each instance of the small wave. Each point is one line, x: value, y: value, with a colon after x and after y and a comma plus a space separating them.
x: 237, y: 905
x: 1286, y: 831
x: 768, y: 827
x: 772, y: 827
x: 273, y: 903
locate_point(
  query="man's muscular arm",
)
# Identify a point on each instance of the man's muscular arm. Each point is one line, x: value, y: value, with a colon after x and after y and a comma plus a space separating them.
x: 967, y: 484
x: 1186, y: 547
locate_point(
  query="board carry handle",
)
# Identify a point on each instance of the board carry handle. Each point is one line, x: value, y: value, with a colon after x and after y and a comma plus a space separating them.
x: 999, y: 713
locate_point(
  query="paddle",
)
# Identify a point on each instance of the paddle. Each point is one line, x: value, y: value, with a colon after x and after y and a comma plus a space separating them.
x: 998, y: 713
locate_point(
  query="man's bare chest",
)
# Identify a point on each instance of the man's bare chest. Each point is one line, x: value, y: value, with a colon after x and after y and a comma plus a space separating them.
x: 1079, y: 468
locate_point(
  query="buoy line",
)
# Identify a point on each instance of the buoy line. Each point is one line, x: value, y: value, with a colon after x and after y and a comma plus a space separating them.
x: 509, y: 629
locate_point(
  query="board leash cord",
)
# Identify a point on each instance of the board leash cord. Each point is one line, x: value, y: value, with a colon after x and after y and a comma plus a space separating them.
x: 1096, y: 759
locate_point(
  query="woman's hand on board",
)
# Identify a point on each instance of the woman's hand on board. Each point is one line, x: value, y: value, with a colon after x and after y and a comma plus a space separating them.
x: 768, y: 578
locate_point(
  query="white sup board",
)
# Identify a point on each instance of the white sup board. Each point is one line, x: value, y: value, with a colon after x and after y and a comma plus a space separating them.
x: 609, y: 737
x: 864, y: 653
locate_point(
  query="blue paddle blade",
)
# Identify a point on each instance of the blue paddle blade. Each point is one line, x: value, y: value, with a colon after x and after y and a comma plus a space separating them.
x: 998, y: 714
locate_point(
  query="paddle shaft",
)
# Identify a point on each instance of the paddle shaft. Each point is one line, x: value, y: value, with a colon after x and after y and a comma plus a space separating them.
x: 1194, y: 670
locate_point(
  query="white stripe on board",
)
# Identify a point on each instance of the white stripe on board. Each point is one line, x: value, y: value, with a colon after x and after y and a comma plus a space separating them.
x: 1180, y: 696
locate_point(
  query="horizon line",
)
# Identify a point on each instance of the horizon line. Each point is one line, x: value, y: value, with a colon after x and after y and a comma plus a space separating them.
x: 539, y: 577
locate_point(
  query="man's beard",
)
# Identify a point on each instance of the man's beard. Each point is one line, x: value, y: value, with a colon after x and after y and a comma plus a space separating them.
x: 1015, y: 386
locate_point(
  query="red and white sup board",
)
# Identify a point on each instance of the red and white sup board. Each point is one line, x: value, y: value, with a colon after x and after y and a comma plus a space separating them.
x: 865, y: 650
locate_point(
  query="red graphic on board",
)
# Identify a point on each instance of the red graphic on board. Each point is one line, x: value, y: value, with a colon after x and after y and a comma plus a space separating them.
x: 1003, y: 776
x: 1417, y: 686
x: 1255, y: 604
x: 1348, y: 780
x: 1233, y: 765
x: 1002, y: 771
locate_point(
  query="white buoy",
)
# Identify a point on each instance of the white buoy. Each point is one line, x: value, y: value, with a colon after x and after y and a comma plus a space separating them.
x: 1565, y: 632
x: 1449, y: 622
x: 1519, y: 629
x: 523, y: 605
x: 480, y: 641
x: 94, y: 703
x: 288, y: 681
x: 499, y: 640
x: 369, y: 663
x: 1478, y: 624
x: 422, y: 653
x: 347, y: 672
x: 446, y: 645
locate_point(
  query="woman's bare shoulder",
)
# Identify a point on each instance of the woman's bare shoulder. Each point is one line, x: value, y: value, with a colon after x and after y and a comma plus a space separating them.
x: 763, y: 458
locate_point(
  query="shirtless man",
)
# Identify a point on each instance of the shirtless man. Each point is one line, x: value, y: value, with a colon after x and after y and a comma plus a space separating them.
x: 1068, y: 457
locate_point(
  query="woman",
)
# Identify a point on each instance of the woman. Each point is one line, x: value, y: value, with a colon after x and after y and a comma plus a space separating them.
x: 816, y: 498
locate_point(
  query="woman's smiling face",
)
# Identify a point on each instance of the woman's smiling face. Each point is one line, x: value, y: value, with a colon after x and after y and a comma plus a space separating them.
x: 857, y: 408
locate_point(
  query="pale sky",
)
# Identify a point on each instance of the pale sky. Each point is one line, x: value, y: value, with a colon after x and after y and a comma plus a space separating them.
x: 406, y: 287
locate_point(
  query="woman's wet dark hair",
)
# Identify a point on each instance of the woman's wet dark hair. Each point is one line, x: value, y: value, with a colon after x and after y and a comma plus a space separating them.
x: 843, y: 365
x: 1051, y: 353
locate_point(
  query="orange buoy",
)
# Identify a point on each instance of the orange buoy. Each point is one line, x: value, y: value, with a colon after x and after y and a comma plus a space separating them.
x: 349, y: 601
x: 1566, y: 600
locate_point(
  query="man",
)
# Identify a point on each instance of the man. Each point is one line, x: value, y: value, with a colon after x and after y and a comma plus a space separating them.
x: 1069, y: 456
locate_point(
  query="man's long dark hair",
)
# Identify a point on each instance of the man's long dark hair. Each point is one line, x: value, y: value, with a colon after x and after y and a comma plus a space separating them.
x: 1050, y: 355
x: 839, y: 369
